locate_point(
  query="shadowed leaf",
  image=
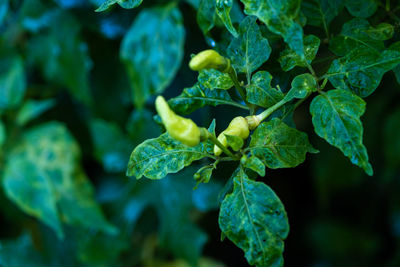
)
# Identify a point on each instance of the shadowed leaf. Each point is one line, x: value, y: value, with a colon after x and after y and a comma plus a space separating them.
x: 254, y: 218
x: 336, y: 118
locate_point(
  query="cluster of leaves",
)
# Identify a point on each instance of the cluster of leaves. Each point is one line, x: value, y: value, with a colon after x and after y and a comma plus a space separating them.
x: 358, y: 56
x: 67, y: 128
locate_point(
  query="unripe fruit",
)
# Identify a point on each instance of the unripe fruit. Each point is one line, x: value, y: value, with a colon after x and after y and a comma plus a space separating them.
x: 238, y: 127
x: 243, y: 159
x: 180, y: 128
x: 209, y: 59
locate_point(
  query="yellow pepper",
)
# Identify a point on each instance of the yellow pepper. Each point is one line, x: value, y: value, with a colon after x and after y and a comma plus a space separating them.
x: 209, y: 59
x: 238, y: 127
x: 181, y: 129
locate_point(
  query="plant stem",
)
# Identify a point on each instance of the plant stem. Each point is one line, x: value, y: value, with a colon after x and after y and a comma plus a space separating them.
x: 237, y: 85
x: 254, y: 121
x: 225, y: 159
x: 239, y: 88
x: 293, y: 108
x: 262, y: 116
x: 314, y: 74
x: 324, y: 84
x: 323, y: 21
x: 209, y: 166
x: 310, y: 68
x: 326, y: 29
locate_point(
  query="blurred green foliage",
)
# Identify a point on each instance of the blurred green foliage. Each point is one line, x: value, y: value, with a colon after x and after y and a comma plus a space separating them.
x: 76, y: 96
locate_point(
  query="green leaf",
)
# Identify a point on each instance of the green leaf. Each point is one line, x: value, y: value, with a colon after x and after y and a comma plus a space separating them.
x: 43, y: 178
x: 21, y: 252
x: 152, y: 51
x: 78, y: 205
x: 176, y: 234
x: 254, y: 218
x: 157, y: 157
x: 174, y: 204
x: 358, y: 34
x: 3, y: 134
x: 301, y: 19
x: 212, y: 126
x: 302, y: 86
x: 279, y: 16
x: 111, y: 147
x: 321, y: 12
x: 336, y: 118
x: 361, y: 71
x: 392, y: 138
x: 199, y: 96
x: 209, y: 145
x: 205, y: 197
x: 206, y: 15
x: 362, y: 8
x: 255, y: 164
x: 396, y: 47
x: 128, y: 4
x: 235, y: 142
x: 279, y: 146
x: 260, y: 92
x: 63, y: 61
x: 289, y: 59
x: 96, y: 249
x: 250, y: 50
x: 173, y: 199
x: 194, y: 3
x: 33, y: 109
x: 4, y: 5
x: 141, y: 126
x: 384, y: 31
x: 12, y: 82
x: 223, y: 10
x: 214, y: 79
x: 36, y: 16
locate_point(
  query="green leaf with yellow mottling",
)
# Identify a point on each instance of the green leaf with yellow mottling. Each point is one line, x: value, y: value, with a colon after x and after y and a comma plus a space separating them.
x: 199, y: 96
x: 254, y: 218
x: 289, y: 59
x: 128, y: 4
x: 152, y: 51
x: 336, y: 118
x: 43, y: 177
x: 279, y: 16
x: 278, y: 145
x: 361, y: 71
x: 260, y: 92
x: 157, y: 157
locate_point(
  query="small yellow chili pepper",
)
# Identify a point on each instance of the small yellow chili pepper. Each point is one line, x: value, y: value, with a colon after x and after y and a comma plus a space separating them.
x: 209, y: 59
x: 238, y: 127
x: 180, y: 128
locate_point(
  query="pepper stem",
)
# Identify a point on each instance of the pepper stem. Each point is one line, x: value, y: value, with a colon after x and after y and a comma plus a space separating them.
x: 205, y: 134
x: 232, y: 74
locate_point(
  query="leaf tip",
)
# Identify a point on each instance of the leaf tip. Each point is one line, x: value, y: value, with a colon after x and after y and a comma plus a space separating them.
x: 129, y: 172
x: 101, y: 8
x: 368, y: 170
x: 111, y: 229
